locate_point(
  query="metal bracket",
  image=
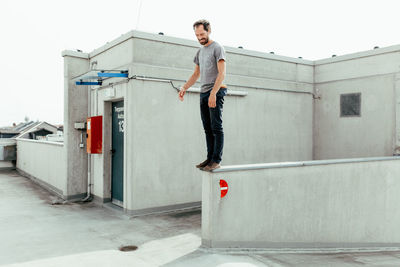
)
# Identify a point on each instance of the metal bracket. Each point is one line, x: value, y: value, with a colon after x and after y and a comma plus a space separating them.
x: 99, y: 75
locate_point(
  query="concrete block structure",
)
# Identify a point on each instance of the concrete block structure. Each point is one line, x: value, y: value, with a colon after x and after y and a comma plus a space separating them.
x: 279, y: 109
x: 268, y: 117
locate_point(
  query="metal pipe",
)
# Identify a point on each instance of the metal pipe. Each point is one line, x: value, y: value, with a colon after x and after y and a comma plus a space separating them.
x: 239, y: 93
x: 89, y: 157
x: 274, y: 165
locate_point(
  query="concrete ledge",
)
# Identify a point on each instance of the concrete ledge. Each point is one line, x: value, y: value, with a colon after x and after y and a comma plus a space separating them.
x: 164, y: 209
x: 368, y: 53
x: 190, y: 43
x: 334, y: 204
x: 53, y: 190
x: 106, y: 203
x: 77, y: 54
x: 259, y: 166
x: 297, y: 245
x: 40, y: 142
x: 43, y: 184
x: 228, y: 49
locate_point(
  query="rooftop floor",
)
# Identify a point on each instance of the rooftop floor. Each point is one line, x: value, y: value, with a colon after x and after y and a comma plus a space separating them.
x: 33, y: 232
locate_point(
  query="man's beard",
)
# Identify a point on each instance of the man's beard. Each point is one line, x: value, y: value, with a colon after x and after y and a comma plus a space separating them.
x: 203, y: 41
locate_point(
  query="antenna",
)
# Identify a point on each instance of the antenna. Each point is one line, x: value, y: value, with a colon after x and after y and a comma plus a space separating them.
x: 138, y: 16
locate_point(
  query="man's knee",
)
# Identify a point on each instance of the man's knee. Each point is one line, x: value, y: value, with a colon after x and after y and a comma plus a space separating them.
x: 218, y: 130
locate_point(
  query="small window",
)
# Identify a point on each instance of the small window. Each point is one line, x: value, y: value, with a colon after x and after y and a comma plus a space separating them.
x: 350, y: 105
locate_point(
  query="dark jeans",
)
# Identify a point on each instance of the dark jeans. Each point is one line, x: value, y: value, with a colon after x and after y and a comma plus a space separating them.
x: 212, y: 124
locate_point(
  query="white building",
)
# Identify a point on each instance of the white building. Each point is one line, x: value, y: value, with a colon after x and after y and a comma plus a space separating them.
x: 279, y: 109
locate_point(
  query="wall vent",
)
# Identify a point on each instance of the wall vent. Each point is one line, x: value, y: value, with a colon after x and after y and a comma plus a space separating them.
x: 350, y: 105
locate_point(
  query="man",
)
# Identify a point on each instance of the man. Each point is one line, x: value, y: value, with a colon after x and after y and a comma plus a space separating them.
x: 210, y: 67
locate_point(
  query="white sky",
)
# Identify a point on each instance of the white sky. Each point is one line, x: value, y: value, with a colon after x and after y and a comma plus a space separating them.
x: 33, y: 34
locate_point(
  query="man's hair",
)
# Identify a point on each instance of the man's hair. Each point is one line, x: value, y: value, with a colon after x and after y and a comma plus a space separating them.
x: 205, y: 23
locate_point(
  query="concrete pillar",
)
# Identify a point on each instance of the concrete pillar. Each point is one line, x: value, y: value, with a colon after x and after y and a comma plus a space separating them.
x: 75, y: 110
x: 397, y: 107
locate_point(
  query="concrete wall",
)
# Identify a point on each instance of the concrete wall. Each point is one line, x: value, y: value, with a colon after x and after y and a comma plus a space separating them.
x: 374, y: 74
x: 164, y: 138
x: 44, y: 162
x: 346, y: 203
x: 75, y: 110
x: 270, y: 124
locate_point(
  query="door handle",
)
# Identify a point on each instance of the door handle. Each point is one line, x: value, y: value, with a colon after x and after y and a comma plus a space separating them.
x: 112, y: 151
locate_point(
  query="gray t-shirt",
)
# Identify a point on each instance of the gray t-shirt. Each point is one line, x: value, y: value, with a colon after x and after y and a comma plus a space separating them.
x: 207, y: 58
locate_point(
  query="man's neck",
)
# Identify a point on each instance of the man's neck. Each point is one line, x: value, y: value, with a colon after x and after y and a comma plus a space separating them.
x: 209, y: 42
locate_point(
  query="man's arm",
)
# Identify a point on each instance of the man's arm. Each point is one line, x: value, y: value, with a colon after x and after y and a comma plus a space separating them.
x: 217, y: 85
x: 190, y: 82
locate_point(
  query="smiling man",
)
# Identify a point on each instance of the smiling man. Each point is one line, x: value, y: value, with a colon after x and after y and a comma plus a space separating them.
x: 210, y: 67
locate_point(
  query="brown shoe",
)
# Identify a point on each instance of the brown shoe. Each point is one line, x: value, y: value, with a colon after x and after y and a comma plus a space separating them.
x: 212, y: 166
x: 203, y: 164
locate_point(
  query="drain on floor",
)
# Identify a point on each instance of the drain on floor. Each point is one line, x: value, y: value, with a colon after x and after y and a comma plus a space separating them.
x: 58, y: 201
x: 128, y: 248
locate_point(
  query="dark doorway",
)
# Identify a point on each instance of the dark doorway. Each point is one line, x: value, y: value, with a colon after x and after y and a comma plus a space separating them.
x: 117, y: 179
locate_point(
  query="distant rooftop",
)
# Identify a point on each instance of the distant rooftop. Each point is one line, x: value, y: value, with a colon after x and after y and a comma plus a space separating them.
x: 16, y: 129
x: 23, y: 128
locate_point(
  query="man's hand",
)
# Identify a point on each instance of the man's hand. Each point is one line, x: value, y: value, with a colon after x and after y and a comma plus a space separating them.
x: 190, y: 82
x: 212, y: 100
x: 182, y: 93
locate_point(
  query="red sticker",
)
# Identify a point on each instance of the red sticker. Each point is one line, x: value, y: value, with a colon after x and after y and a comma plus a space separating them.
x: 224, y: 187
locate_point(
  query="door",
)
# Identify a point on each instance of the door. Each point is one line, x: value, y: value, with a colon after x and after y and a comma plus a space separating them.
x: 117, y: 177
